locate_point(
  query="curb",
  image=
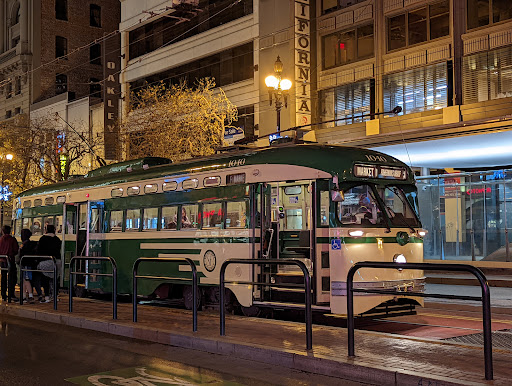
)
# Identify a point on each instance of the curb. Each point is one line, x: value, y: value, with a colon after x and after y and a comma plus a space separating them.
x: 302, y: 361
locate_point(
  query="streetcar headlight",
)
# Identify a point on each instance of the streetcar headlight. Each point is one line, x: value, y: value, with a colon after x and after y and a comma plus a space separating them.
x: 356, y: 233
x: 422, y: 233
x: 399, y: 258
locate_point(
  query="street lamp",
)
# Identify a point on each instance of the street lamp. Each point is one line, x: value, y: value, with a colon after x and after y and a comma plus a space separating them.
x: 4, y: 190
x: 278, y: 89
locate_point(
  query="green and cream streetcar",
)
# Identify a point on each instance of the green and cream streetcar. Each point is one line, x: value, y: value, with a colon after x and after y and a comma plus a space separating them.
x: 329, y: 206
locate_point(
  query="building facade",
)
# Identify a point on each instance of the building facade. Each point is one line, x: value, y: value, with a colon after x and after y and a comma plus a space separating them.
x: 47, y: 48
x: 407, y: 77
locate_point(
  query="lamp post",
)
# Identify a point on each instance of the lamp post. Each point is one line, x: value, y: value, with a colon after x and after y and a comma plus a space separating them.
x: 4, y: 192
x: 278, y: 89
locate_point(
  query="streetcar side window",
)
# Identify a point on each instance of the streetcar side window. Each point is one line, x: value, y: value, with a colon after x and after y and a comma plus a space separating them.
x: 95, y: 221
x: 236, y: 214
x: 324, y: 208
x: 170, y: 217
x: 36, y: 227
x: 189, y: 217
x: 116, y: 221
x: 47, y: 221
x: 70, y: 222
x: 150, y: 219
x: 212, y: 215
x: 27, y: 223
x: 132, y: 220
x: 58, y: 224
x: 17, y: 228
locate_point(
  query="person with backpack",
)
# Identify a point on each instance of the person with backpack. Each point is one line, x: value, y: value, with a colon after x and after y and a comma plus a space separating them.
x: 49, y: 245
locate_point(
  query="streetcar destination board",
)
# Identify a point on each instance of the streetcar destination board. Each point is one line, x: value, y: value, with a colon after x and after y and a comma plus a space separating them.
x: 374, y: 171
x: 234, y: 179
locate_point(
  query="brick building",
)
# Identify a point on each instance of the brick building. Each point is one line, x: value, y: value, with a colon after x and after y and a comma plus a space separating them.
x: 37, y: 43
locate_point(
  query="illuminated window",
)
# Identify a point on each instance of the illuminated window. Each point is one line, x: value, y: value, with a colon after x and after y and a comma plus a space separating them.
x: 48, y: 201
x: 27, y: 204
x: 348, y: 102
x: 190, y: 184
x: 61, y: 199
x: 133, y: 190
x: 189, y: 218
x: 420, y: 89
x: 116, y: 221
x: 169, y: 186
x: 150, y: 221
x: 38, y: 202
x: 170, y: 217
x: 212, y: 215
x: 132, y: 222
x: 151, y: 188
x: 117, y: 192
x: 487, y: 76
x: 236, y: 214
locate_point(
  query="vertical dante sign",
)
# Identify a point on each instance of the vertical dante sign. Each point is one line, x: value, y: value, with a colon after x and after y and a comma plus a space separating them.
x: 302, y: 63
x: 111, y: 95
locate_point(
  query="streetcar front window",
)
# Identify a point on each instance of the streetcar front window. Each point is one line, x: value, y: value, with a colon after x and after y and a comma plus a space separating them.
x: 359, y: 207
x: 398, y: 206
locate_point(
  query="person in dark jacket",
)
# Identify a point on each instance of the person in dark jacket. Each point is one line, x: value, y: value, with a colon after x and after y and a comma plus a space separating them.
x: 29, y: 247
x: 9, y: 248
x: 49, y: 245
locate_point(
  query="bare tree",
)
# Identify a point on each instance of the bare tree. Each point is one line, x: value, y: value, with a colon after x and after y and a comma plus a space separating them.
x: 178, y: 121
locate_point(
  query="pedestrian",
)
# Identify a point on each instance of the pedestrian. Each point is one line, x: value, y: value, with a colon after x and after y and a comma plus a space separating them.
x: 27, y: 251
x: 49, y: 245
x: 9, y: 248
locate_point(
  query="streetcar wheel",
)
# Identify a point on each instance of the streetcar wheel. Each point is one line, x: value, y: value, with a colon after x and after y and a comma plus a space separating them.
x: 252, y: 311
x: 188, y: 297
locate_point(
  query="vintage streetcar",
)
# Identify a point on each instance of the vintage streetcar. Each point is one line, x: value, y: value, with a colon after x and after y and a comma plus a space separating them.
x: 329, y: 206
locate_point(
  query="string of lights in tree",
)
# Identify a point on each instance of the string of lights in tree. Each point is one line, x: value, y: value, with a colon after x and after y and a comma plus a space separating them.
x: 5, y: 193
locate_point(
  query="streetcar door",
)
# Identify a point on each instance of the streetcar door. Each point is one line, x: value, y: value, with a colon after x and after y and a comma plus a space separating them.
x: 82, y: 234
x: 94, y: 241
x: 295, y: 221
x: 69, y: 228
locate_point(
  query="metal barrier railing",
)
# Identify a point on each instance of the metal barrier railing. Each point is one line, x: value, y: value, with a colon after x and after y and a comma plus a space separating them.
x: 168, y: 259
x: 54, y: 272
x: 8, y: 270
x: 307, y: 290
x: 485, y: 298
x: 73, y: 274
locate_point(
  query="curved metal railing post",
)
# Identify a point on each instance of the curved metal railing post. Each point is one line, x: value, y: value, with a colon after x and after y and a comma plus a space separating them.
x: 307, y: 291
x: 73, y: 273
x: 169, y: 259
x: 485, y: 298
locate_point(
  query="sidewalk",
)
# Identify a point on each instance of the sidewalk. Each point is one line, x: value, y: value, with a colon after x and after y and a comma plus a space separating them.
x: 381, y: 359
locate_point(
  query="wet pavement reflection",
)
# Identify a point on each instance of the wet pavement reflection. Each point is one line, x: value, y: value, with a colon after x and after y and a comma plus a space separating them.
x: 38, y: 353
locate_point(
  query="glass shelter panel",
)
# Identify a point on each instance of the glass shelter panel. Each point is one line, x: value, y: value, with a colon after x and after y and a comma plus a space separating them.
x: 467, y: 216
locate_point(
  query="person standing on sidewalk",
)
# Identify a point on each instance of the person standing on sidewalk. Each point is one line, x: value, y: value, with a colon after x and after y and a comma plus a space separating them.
x: 49, y: 245
x: 28, y: 249
x: 9, y: 247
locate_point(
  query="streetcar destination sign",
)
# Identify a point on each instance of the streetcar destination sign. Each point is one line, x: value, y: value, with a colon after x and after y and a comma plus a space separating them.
x: 374, y: 171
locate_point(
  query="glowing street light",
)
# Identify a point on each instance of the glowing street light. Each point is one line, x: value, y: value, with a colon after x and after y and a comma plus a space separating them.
x: 278, y: 89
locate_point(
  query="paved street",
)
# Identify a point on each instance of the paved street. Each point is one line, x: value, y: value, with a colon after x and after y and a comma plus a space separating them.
x: 38, y: 353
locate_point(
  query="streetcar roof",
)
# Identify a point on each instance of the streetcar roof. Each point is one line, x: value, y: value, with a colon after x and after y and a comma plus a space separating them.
x: 333, y: 159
